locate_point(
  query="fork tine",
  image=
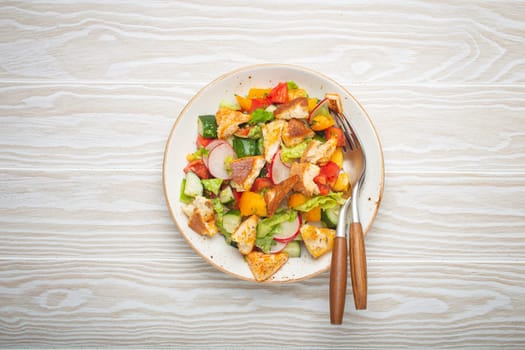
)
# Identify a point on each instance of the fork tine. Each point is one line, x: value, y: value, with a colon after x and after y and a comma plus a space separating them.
x: 347, y: 137
x: 353, y: 134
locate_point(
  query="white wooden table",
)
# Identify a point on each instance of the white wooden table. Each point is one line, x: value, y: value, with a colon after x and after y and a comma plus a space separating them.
x: 89, y: 255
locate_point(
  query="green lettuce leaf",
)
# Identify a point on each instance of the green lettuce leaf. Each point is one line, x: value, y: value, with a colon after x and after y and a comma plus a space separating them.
x: 265, y: 243
x: 260, y: 116
x: 212, y: 185
x: 288, y: 154
x: 267, y: 227
x: 220, y: 210
x: 292, y: 85
x: 255, y: 132
x: 198, y: 154
x: 324, y: 202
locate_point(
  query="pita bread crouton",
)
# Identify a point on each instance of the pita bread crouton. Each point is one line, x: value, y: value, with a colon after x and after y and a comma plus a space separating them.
x: 275, y: 195
x: 272, y: 138
x: 334, y: 102
x: 245, y: 170
x: 228, y: 121
x: 296, y: 108
x: 245, y: 235
x: 263, y: 266
x: 306, y: 172
x: 319, y: 152
x: 318, y: 241
x: 201, y: 216
x: 295, y: 132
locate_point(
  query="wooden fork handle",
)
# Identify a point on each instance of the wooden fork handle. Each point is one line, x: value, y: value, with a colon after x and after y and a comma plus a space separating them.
x: 338, y: 277
x: 358, y: 265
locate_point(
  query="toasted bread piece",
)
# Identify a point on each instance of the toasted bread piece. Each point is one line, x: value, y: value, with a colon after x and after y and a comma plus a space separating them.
x: 245, y: 235
x: 295, y: 132
x: 201, y: 216
x: 334, y: 102
x: 272, y: 138
x: 319, y: 152
x: 201, y: 226
x: 306, y: 173
x: 244, y: 172
x: 263, y: 266
x: 296, y: 108
x: 318, y: 241
x: 275, y: 195
x: 228, y: 121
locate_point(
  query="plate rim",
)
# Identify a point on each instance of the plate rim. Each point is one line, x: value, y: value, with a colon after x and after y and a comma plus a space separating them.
x: 247, y: 68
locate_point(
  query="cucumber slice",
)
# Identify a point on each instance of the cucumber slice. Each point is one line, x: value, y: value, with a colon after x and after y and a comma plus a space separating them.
x: 260, y: 145
x: 207, y: 125
x: 330, y: 216
x: 245, y: 147
x: 193, y: 186
x: 226, y: 195
x: 293, y: 249
x: 183, y: 198
x: 231, y: 220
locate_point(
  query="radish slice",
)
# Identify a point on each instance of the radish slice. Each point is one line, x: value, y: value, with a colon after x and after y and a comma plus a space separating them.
x: 278, y: 247
x: 279, y: 171
x: 289, y: 230
x: 214, y: 144
x: 210, y: 147
x: 217, y: 159
x: 321, y: 108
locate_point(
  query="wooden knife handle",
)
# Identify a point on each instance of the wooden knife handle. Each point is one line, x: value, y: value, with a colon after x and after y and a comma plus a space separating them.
x: 338, y: 277
x: 358, y: 265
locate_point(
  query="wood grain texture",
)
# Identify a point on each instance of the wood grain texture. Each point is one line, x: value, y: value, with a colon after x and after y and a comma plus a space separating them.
x: 101, y: 214
x: 101, y: 126
x: 89, y: 89
x: 180, y: 302
x: 377, y: 41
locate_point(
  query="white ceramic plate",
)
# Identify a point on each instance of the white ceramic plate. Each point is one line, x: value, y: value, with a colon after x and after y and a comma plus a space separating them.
x: 182, y: 141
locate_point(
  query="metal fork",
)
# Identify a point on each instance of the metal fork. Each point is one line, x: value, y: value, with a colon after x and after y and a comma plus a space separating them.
x: 358, y: 271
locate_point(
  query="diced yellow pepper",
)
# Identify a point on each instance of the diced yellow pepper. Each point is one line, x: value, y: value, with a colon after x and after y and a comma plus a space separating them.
x: 312, y: 102
x: 314, y: 214
x: 258, y: 93
x: 322, y: 122
x: 190, y: 157
x: 337, y: 157
x: 295, y: 93
x: 252, y: 203
x: 245, y: 103
x: 342, y: 183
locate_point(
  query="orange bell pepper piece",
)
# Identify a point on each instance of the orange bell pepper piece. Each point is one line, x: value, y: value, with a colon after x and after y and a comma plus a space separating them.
x: 296, y: 199
x: 312, y: 102
x: 322, y: 122
x: 252, y: 203
x: 245, y: 103
x: 258, y: 93
x: 314, y: 214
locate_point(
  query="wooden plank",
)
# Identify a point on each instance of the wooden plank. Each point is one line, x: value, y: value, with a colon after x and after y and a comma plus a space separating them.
x: 107, y: 126
x: 380, y: 42
x: 85, y: 126
x: 55, y: 214
x: 448, y: 129
x: 188, y: 304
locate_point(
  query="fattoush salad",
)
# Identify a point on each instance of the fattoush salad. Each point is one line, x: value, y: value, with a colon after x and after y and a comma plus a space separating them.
x: 267, y: 175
